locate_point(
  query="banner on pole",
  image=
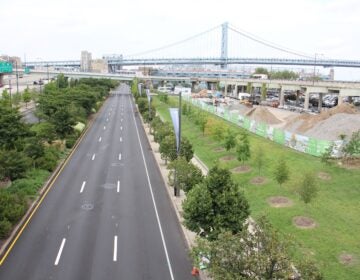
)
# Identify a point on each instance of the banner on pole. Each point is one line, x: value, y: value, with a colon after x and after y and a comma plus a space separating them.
x: 174, y: 113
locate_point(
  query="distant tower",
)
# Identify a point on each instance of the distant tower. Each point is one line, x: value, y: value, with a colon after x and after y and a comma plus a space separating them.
x: 85, y: 63
x: 224, y: 45
x: 332, y: 74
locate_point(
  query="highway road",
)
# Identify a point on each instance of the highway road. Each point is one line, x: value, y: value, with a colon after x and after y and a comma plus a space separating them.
x: 108, y: 215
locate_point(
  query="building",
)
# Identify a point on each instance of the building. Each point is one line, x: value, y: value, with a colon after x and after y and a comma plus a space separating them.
x: 99, y: 66
x: 85, y: 62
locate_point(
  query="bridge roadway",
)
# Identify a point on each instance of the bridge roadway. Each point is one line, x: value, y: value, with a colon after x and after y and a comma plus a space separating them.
x: 108, y: 214
x: 211, y: 61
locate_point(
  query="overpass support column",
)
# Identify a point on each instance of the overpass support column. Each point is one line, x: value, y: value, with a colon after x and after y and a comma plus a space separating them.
x: 1, y: 79
x: 281, y: 98
x: 340, y: 99
x: 320, y: 101
x: 306, y: 102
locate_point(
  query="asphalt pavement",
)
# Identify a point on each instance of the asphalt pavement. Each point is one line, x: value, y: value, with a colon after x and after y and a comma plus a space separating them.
x: 108, y: 215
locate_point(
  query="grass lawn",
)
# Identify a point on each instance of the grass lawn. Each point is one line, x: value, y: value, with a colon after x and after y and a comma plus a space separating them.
x: 336, y: 209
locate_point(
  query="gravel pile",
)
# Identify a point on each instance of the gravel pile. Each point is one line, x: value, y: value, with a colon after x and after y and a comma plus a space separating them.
x: 262, y: 114
x: 338, y: 124
x: 328, y: 125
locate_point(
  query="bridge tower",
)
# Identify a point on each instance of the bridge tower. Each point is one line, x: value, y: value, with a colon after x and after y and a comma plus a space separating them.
x: 224, y: 45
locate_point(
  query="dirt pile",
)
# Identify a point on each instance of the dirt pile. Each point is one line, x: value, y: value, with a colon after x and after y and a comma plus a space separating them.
x: 262, y: 114
x: 328, y: 125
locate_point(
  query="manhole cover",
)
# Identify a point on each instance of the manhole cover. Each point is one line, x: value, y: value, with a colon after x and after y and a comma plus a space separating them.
x: 87, y: 206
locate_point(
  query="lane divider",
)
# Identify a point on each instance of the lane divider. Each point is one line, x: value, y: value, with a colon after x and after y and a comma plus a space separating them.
x: 60, y: 251
x: 82, y: 186
x: 115, y: 248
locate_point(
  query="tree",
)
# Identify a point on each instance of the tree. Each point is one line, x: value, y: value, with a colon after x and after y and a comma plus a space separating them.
x: 44, y: 131
x: 62, y: 81
x: 12, y: 129
x: 188, y: 175
x: 230, y: 140
x: 352, y: 148
x: 5, y: 99
x: 167, y: 148
x: 326, y: 156
x: 215, y: 128
x: 26, y: 96
x: 259, y: 159
x: 261, y: 70
x: 262, y: 253
x: 215, y: 205
x: 13, y: 164
x: 63, y: 122
x: 281, y: 172
x: 243, y: 147
x: 186, y: 149
x: 308, y: 188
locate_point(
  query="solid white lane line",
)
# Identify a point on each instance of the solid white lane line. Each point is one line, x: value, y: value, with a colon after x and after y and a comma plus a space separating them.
x: 120, y: 127
x: 118, y: 186
x: 120, y: 139
x: 82, y: 186
x: 104, y: 127
x: 115, y: 248
x: 60, y: 252
x: 93, y: 157
x: 120, y: 156
x: 99, y: 139
x: 152, y: 197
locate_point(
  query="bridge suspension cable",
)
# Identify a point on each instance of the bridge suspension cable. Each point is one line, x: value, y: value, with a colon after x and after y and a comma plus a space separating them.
x: 173, y: 44
x: 268, y: 43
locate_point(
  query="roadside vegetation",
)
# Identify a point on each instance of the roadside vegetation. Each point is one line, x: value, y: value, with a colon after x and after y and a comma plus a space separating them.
x: 306, y: 207
x: 30, y: 152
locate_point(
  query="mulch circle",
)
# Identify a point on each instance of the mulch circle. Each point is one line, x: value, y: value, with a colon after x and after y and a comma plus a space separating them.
x: 347, y: 259
x: 241, y: 169
x: 324, y: 176
x: 279, y: 201
x: 219, y: 149
x: 227, y: 158
x: 258, y: 180
x: 304, y: 222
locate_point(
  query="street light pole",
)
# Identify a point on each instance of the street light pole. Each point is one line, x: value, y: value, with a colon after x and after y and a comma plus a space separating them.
x: 17, y: 78
x: 176, y: 189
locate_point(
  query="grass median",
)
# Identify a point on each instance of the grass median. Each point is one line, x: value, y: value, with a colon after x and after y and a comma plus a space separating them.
x: 333, y: 242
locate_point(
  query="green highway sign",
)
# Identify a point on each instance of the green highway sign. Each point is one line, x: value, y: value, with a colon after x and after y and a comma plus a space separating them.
x: 5, y: 67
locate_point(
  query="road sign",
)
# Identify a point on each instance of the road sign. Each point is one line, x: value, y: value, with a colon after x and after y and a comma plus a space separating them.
x: 5, y: 67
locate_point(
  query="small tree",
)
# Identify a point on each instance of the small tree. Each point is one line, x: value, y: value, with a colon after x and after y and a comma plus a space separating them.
x: 281, y: 172
x: 327, y: 155
x: 262, y: 253
x: 230, y: 140
x: 215, y: 205
x: 26, y: 96
x: 243, y: 147
x: 259, y: 159
x: 186, y: 149
x: 188, y: 175
x: 167, y: 148
x: 352, y: 148
x: 308, y: 188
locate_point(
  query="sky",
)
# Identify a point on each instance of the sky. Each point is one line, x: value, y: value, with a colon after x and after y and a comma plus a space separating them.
x: 60, y: 30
